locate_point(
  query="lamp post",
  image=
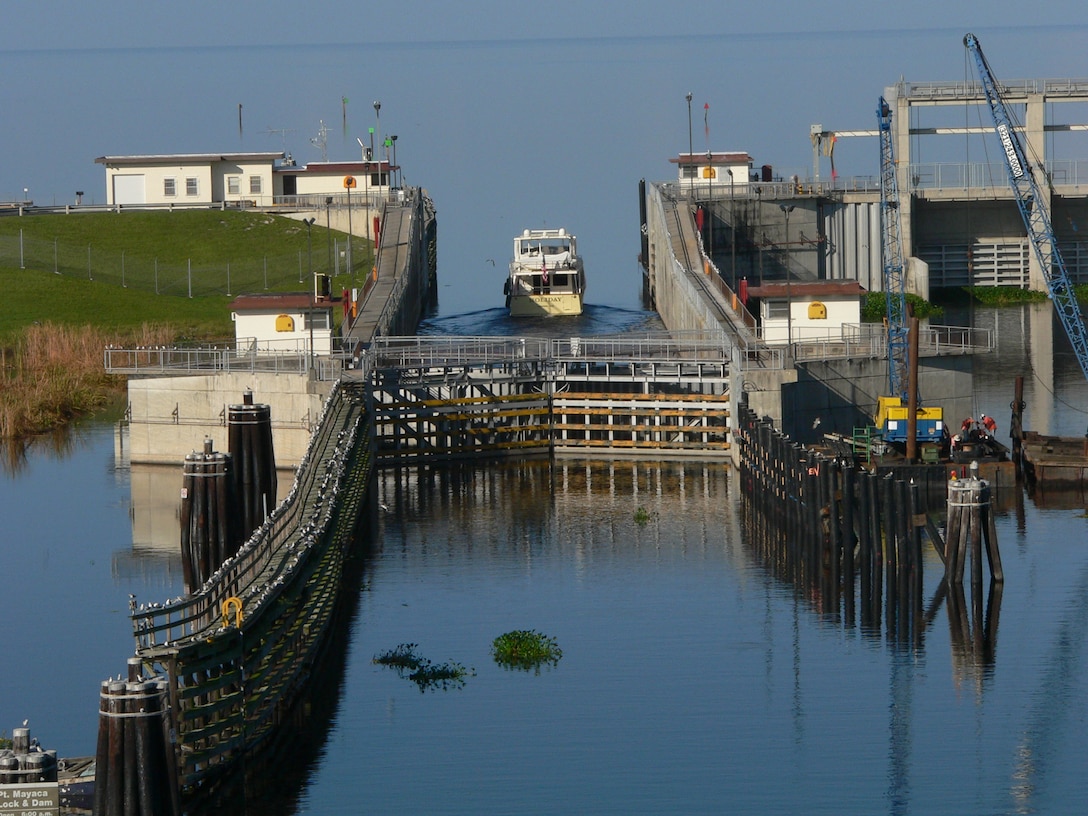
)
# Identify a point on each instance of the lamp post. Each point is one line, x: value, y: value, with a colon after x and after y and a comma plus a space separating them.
x: 393, y: 139
x: 309, y: 222
x: 733, y: 231
x: 378, y: 123
x: 349, y: 182
x: 691, y: 150
x: 328, y: 229
x: 786, y: 210
x: 710, y: 205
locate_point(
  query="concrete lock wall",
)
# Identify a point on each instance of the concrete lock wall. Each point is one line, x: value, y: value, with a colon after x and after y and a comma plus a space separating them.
x: 837, y: 396
x: 171, y: 416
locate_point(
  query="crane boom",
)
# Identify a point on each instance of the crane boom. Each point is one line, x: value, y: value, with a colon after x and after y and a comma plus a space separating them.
x: 1033, y: 209
x: 891, y: 250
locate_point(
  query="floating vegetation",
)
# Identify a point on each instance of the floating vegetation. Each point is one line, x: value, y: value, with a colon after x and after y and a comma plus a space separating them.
x: 421, y: 671
x: 643, y: 516
x: 525, y: 649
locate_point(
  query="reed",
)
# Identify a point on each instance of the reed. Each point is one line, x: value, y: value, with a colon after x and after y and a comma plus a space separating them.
x: 51, y: 374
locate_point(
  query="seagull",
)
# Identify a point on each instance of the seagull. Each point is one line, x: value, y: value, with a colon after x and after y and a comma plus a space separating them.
x: 26, y: 723
x: 384, y: 507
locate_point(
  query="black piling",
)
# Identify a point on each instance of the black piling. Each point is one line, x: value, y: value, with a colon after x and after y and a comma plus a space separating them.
x: 131, y: 773
x: 209, y: 530
x: 249, y: 433
x: 25, y: 762
x: 834, y: 530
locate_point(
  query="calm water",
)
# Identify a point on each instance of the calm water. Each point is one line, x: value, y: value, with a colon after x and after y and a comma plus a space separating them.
x: 692, y: 681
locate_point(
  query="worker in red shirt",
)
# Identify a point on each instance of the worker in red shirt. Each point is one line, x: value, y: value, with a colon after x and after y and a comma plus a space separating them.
x: 989, y: 424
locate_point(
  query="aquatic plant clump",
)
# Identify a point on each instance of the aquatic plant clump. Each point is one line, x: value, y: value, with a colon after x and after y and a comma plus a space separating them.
x: 402, y: 657
x: 421, y: 671
x: 525, y: 649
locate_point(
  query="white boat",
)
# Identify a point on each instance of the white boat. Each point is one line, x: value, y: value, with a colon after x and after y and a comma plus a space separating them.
x: 546, y: 275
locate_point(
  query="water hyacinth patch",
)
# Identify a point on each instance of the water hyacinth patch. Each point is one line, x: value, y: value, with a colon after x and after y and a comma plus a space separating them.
x: 525, y: 649
x: 421, y: 671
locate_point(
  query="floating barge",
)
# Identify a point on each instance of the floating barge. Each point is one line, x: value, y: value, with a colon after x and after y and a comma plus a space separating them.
x: 1054, y: 461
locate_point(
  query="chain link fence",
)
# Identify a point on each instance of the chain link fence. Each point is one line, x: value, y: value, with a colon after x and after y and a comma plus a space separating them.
x: 286, y: 272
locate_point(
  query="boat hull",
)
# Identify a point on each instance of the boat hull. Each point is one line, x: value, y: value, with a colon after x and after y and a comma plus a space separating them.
x: 545, y: 305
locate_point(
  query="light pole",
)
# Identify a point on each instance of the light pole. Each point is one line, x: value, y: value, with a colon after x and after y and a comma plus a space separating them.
x: 309, y: 222
x: 328, y: 229
x: 393, y: 139
x: 733, y: 231
x: 378, y: 122
x: 691, y: 150
x: 710, y: 206
x: 786, y: 210
x: 349, y: 182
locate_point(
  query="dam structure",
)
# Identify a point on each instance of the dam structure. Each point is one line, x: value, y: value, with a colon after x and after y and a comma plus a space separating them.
x: 228, y: 661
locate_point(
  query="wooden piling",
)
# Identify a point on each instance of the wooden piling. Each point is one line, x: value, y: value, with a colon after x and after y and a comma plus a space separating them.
x: 249, y: 434
x: 208, y: 534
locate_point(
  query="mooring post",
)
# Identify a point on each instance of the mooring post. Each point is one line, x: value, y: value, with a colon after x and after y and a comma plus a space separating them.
x: 1016, y: 426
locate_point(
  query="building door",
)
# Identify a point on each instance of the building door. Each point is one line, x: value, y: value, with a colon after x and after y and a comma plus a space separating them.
x: 129, y: 189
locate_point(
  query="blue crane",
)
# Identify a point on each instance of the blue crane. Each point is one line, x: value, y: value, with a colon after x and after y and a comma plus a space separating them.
x: 891, y: 251
x: 893, y: 410
x: 1034, y: 209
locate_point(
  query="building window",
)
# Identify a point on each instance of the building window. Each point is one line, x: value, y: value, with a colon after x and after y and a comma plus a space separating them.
x: 778, y: 309
x: 234, y: 185
x: 319, y: 321
x: 192, y: 188
x: 255, y: 184
x: 169, y: 187
x: 689, y: 171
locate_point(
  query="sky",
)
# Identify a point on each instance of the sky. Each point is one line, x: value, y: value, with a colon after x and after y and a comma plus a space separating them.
x: 511, y: 114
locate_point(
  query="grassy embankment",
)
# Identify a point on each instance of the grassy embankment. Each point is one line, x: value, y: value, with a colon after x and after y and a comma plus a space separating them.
x: 102, y: 278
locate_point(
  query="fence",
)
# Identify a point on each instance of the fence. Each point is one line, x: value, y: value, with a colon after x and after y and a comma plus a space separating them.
x: 272, y: 272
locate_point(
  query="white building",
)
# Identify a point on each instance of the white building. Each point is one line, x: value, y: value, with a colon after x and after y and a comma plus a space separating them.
x: 283, y: 322
x: 190, y: 179
x: 802, y: 311
x: 238, y: 180
x: 701, y: 169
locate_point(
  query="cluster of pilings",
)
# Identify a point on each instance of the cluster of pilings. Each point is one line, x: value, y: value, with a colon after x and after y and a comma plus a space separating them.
x: 850, y: 539
x: 226, y: 496
x: 249, y: 435
x: 25, y: 762
x: 133, y: 775
x: 210, y: 531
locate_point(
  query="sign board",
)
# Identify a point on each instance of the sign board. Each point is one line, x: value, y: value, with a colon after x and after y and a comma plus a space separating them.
x: 349, y: 182
x: 30, y: 799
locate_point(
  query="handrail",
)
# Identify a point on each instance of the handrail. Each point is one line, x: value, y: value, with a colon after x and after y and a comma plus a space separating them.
x: 277, y: 548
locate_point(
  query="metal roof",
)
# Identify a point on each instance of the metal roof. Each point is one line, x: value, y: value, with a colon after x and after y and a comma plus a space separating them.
x: 187, y: 158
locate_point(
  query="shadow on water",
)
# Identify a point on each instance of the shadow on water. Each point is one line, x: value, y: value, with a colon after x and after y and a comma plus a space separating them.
x: 271, y: 780
x: 60, y: 443
x: 496, y: 322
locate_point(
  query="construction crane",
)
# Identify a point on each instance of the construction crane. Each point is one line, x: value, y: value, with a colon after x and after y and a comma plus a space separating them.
x: 1034, y: 209
x: 893, y: 410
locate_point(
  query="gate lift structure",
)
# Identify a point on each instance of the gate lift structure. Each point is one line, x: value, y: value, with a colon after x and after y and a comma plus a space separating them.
x: 1033, y: 209
x: 893, y: 411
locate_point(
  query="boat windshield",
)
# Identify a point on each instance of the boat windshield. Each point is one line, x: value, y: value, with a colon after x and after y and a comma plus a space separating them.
x: 546, y: 246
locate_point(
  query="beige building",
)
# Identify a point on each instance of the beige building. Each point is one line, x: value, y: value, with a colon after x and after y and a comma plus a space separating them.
x: 800, y: 311
x: 283, y: 322
x: 190, y: 179
x: 240, y: 180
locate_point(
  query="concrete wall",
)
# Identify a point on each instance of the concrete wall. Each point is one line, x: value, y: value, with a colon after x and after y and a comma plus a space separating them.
x: 171, y: 416
x: 836, y: 396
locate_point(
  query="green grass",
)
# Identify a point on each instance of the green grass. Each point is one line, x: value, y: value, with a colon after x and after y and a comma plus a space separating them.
x: 37, y: 297
x: 126, y: 269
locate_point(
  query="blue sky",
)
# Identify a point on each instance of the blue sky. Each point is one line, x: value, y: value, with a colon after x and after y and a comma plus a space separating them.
x: 511, y: 114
